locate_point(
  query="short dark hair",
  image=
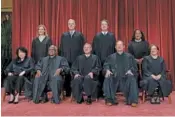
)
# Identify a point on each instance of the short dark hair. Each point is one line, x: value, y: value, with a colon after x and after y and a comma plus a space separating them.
x: 104, y: 20
x: 23, y: 49
x: 133, y: 36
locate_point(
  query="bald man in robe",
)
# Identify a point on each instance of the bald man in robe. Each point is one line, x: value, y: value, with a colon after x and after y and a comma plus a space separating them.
x: 71, y: 46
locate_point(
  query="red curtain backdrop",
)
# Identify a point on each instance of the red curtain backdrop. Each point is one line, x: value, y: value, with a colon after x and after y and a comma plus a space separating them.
x: 156, y: 18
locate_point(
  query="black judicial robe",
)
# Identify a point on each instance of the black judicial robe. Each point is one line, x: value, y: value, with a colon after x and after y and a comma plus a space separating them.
x: 16, y: 67
x: 48, y: 68
x: 40, y: 49
x: 83, y: 66
x: 155, y: 66
x: 138, y: 49
x: 103, y: 45
x: 119, y: 80
x: 71, y: 47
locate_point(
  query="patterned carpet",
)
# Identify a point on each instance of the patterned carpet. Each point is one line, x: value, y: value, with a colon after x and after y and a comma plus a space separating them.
x: 25, y: 108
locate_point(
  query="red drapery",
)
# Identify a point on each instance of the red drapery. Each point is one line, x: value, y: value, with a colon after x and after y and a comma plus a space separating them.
x: 155, y: 17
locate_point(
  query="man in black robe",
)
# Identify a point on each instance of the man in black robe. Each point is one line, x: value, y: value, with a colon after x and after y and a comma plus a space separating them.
x: 40, y: 44
x: 49, y: 74
x: 120, y: 71
x: 85, y: 71
x: 154, y: 80
x: 103, y: 45
x: 71, y: 46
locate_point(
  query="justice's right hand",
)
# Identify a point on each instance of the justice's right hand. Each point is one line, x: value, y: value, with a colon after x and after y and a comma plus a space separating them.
x: 10, y: 74
x: 77, y: 75
x: 38, y: 74
x: 108, y: 73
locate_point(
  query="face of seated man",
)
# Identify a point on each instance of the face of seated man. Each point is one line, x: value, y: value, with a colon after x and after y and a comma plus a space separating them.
x: 120, y: 47
x: 52, y: 51
x: 87, y: 49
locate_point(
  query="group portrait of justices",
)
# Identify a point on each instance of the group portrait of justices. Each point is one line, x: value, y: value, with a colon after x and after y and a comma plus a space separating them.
x: 99, y: 69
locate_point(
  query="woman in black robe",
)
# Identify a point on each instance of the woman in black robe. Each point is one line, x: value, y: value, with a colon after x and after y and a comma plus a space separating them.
x: 17, y: 70
x: 40, y: 44
x: 138, y: 46
x: 154, y: 80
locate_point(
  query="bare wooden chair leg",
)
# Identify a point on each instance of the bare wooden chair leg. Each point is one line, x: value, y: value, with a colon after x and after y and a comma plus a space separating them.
x: 4, y: 94
x: 71, y: 97
x: 143, y: 97
x: 169, y: 99
x: 62, y: 95
x: 96, y: 100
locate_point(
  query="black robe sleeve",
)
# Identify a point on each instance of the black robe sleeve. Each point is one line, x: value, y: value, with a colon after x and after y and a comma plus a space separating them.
x: 145, y: 70
x: 96, y: 69
x: 31, y: 66
x: 65, y: 66
x: 9, y: 67
x: 114, y: 43
x: 61, y: 46
x: 130, y: 49
x: 134, y: 68
x: 39, y: 65
x: 163, y: 72
x: 49, y: 43
x: 33, y: 49
x: 106, y: 65
x: 147, y: 47
x: 75, y: 67
x: 94, y: 44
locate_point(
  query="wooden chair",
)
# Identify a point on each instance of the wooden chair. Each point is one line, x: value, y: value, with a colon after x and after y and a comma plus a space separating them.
x: 144, y: 93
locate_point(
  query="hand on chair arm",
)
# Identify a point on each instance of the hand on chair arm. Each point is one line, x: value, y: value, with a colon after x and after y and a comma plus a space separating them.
x: 38, y: 74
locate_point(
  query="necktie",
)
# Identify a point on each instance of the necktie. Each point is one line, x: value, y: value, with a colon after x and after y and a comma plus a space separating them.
x: 71, y: 33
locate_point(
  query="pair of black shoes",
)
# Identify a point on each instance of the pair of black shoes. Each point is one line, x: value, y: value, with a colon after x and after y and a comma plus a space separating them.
x: 10, y: 102
x: 88, y: 101
x: 155, y: 99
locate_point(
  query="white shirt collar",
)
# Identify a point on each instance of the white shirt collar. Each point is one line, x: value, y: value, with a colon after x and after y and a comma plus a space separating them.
x: 41, y: 37
x: 72, y: 31
x: 104, y: 32
x: 136, y: 40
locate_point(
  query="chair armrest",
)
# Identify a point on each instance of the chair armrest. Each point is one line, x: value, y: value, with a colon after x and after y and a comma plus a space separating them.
x: 168, y: 75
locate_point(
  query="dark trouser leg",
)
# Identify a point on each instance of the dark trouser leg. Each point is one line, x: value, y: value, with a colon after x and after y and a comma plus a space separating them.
x: 77, y: 87
x: 151, y: 86
x: 38, y: 88
x: 90, y: 86
x: 28, y: 87
x: 19, y: 84
x: 109, y: 88
x: 67, y: 84
x: 56, y: 85
x: 11, y: 81
x: 131, y: 90
x: 101, y: 81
